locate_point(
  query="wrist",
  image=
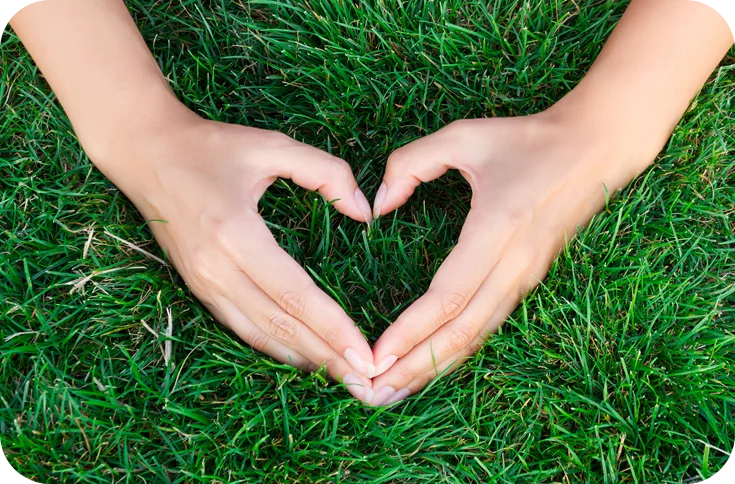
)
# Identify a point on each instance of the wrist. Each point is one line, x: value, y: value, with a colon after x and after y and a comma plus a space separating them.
x: 126, y: 148
x: 623, y: 147
x: 147, y: 121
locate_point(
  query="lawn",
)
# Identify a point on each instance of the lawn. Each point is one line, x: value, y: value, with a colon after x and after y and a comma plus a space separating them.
x: 619, y: 368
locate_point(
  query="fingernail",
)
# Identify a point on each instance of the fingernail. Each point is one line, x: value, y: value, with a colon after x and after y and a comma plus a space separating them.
x: 397, y: 396
x: 384, y: 364
x: 364, y: 206
x: 359, y: 364
x: 357, y: 388
x: 379, y: 200
x: 382, y: 395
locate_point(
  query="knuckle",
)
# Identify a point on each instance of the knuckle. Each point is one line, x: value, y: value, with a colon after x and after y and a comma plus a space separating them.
x: 475, y: 345
x: 459, y: 125
x: 310, y: 367
x: 282, y: 328
x: 293, y: 302
x: 451, y: 306
x: 398, y: 158
x: 422, y: 380
x: 258, y: 340
x: 214, y: 311
x: 202, y: 267
x: 460, y: 337
x: 340, y: 165
x: 275, y: 138
x: 331, y: 334
x: 407, y: 340
x: 330, y: 364
x: 517, y: 216
x: 220, y: 232
x: 461, y: 129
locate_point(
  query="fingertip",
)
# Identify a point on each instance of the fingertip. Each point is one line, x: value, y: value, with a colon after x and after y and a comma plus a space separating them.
x: 388, y: 395
x: 379, y: 200
x: 358, y: 387
x: 393, y: 193
x: 401, y: 394
x: 385, y: 364
x: 363, y: 206
x: 381, y: 395
x: 360, y: 364
x: 395, y: 343
x: 348, y: 208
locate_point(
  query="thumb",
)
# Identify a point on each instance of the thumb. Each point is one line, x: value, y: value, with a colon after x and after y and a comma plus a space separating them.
x: 421, y: 161
x: 314, y: 169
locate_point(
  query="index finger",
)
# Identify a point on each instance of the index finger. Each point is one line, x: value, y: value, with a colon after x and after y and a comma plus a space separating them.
x: 484, y: 237
x: 258, y: 254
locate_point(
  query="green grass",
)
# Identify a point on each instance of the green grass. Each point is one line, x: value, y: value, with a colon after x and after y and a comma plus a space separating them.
x: 619, y: 368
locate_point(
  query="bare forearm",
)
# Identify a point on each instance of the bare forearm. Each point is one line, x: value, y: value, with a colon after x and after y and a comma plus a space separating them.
x: 655, y: 62
x: 97, y: 63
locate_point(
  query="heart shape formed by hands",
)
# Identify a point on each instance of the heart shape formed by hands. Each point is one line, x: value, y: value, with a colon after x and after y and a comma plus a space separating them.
x: 531, y: 188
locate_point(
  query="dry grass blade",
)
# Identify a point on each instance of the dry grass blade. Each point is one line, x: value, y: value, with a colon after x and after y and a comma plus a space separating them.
x: 168, y: 344
x: 135, y: 247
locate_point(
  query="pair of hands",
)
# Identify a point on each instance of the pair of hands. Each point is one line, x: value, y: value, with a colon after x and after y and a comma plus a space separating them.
x: 533, y: 181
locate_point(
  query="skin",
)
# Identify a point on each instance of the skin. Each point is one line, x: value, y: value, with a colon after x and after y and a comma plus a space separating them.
x: 534, y: 179
x: 204, y: 179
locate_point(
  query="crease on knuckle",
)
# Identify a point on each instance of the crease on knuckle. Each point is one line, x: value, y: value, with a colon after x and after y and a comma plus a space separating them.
x: 258, y: 340
x: 339, y: 171
x: 214, y: 311
x: 421, y: 381
x: 293, y: 302
x: 282, y: 328
x: 460, y: 337
x: 407, y: 340
x: 451, y: 306
x: 475, y: 345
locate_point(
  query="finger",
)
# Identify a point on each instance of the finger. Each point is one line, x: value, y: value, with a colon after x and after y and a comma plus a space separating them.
x: 461, y: 357
x: 230, y: 316
x: 422, y: 161
x: 241, y: 306
x: 277, y: 334
x: 484, y: 237
x: 283, y: 330
x: 388, y: 395
x: 257, y: 253
x: 502, y: 283
x: 288, y: 331
x: 314, y: 169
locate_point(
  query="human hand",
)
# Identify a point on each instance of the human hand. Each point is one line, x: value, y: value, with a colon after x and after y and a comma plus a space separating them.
x: 203, y: 181
x: 534, y: 181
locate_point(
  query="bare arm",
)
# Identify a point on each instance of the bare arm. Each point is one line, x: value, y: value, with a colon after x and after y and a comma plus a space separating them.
x: 99, y: 67
x: 653, y: 65
x: 535, y: 179
x: 204, y: 179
